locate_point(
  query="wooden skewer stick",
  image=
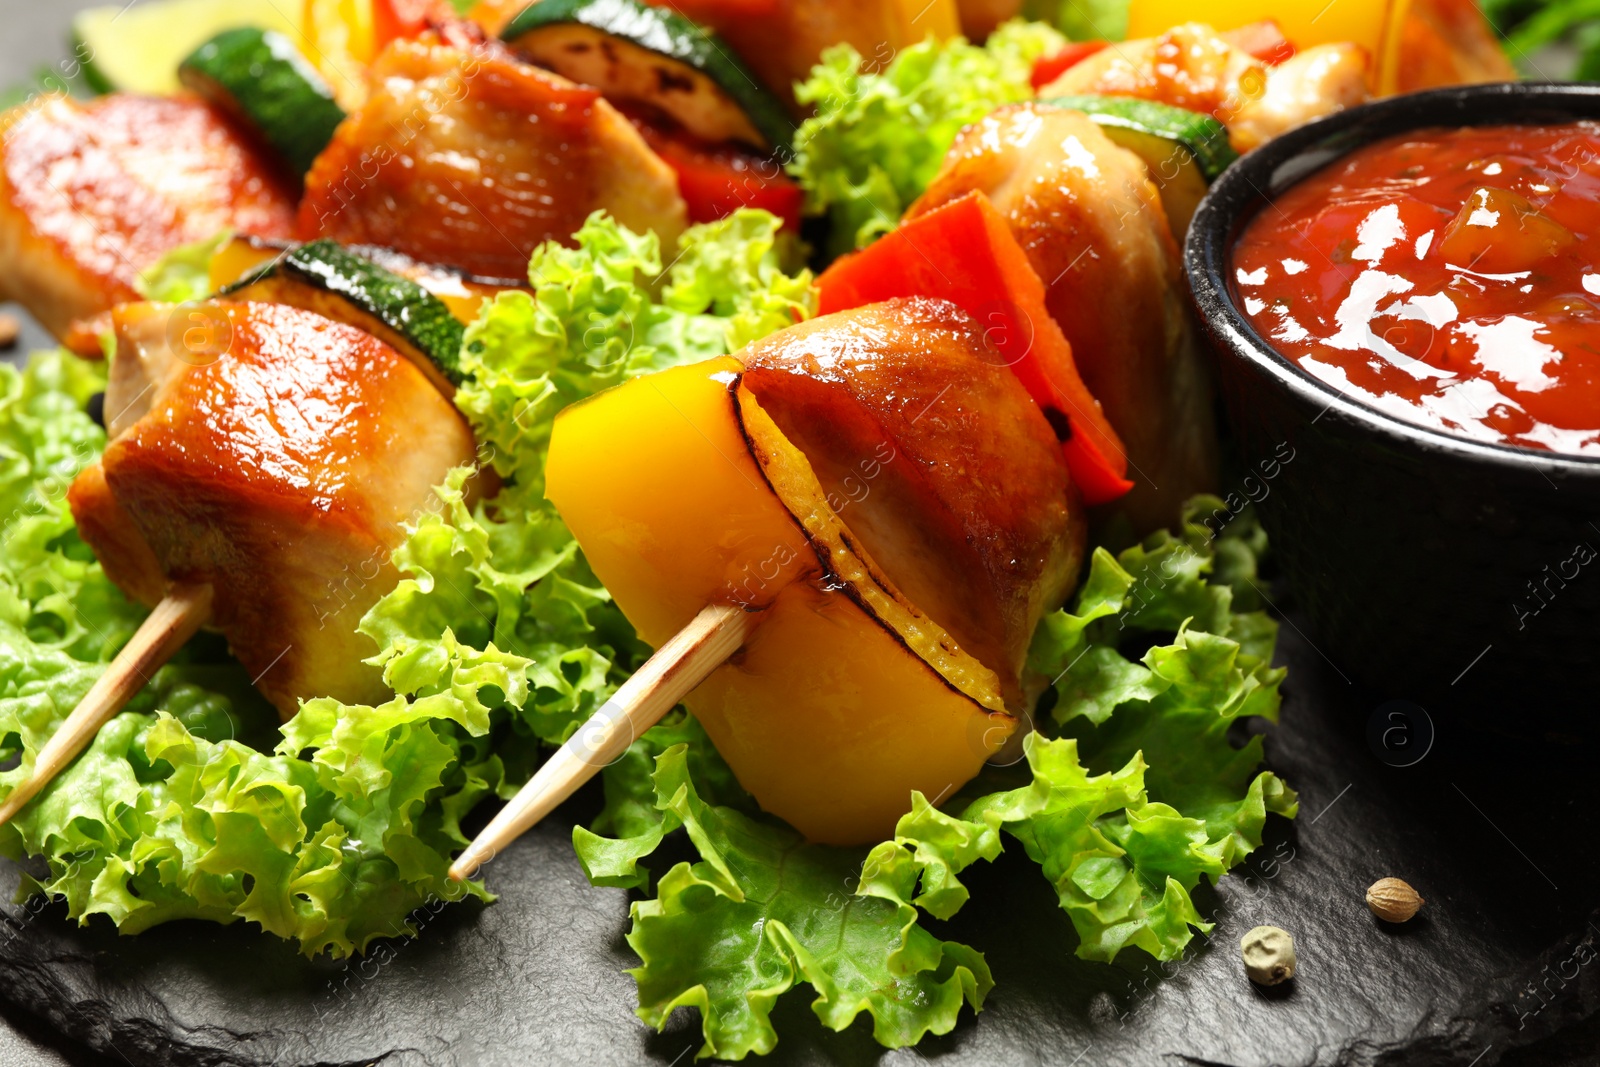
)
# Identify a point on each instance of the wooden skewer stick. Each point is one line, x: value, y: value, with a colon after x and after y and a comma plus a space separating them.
x: 183, y: 611
x: 666, y: 678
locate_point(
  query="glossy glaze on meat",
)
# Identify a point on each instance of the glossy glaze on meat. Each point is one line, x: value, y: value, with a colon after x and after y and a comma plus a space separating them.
x: 281, y: 471
x: 1193, y: 67
x: 1091, y: 222
x: 782, y: 45
x: 937, y: 459
x: 92, y: 193
x: 468, y: 157
x: 1449, y: 42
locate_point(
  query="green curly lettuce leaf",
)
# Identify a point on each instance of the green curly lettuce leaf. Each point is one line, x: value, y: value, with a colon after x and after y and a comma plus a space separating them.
x: 497, y: 639
x: 1145, y: 793
x: 168, y: 814
x: 1137, y: 797
x: 761, y: 911
x: 592, y: 321
x: 878, y: 135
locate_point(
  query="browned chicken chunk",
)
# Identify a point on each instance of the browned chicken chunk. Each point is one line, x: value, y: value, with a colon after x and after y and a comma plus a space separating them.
x: 93, y: 193
x: 783, y: 45
x: 275, y: 454
x: 980, y: 18
x: 938, y: 461
x: 1192, y: 66
x: 1449, y: 42
x: 1091, y: 222
x: 468, y: 157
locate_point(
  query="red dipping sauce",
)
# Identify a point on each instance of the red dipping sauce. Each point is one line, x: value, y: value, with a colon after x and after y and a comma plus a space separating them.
x: 1449, y: 277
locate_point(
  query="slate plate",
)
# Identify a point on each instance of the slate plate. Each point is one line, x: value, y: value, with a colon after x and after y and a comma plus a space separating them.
x: 1495, y: 833
x: 1498, y: 832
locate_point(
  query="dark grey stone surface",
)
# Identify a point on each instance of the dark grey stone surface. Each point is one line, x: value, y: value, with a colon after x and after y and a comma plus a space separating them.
x: 1495, y: 833
x: 1498, y: 833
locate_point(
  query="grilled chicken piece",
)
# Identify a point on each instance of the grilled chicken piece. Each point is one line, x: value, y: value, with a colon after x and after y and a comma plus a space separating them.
x: 980, y: 18
x: 1309, y: 85
x: 277, y: 458
x: 1189, y: 66
x: 939, y: 461
x: 783, y: 45
x: 1192, y: 66
x: 465, y: 156
x: 92, y: 193
x: 892, y: 500
x: 1091, y: 222
x: 1449, y: 42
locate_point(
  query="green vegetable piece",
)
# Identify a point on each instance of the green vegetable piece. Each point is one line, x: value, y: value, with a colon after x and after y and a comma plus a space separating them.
x: 634, y: 52
x: 878, y: 138
x: 1184, y: 150
x: 323, y: 277
x: 762, y: 911
x: 266, y: 84
x: 1203, y: 138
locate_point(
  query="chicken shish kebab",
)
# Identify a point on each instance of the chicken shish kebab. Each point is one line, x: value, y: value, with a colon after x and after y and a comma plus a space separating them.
x: 1195, y: 68
x: 465, y: 156
x: 898, y: 613
x: 1091, y: 222
x: 261, y: 466
x: 93, y: 193
x: 845, y: 590
x: 273, y: 471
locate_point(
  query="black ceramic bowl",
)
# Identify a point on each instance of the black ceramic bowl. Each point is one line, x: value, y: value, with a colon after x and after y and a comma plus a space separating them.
x: 1429, y: 566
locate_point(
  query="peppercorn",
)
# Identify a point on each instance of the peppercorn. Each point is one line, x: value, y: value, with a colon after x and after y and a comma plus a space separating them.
x: 1268, y: 955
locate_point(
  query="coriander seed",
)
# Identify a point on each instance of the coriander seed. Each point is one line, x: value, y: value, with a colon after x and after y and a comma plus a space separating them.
x: 1392, y: 900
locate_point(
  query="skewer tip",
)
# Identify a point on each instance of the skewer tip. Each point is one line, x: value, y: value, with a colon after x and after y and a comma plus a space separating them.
x: 467, y: 864
x: 655, y: 689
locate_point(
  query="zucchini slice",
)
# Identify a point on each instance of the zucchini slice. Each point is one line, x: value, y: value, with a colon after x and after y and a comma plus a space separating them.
x: 340, y: 285
x: 635, y: 53
x: 464, y: 294
x: 265, y: 83
x: 1185, y: 150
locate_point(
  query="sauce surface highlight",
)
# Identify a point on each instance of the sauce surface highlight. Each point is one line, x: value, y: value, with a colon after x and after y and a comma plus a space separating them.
x: 1449, y: 277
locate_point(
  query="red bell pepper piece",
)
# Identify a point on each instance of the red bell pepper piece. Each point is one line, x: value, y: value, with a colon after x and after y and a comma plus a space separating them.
x: 1047, y: 69
x: 964, y: 252
x: 1263, y: 40
x: 717, y: 180
x: 394, y: 20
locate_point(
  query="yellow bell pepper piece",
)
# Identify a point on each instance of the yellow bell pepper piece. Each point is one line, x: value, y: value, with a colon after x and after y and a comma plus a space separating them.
x: 1373, y: 24
x: 1363, y: 21
x: 239, y: 256
x: 683, y: 492
x: 339, y: 40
